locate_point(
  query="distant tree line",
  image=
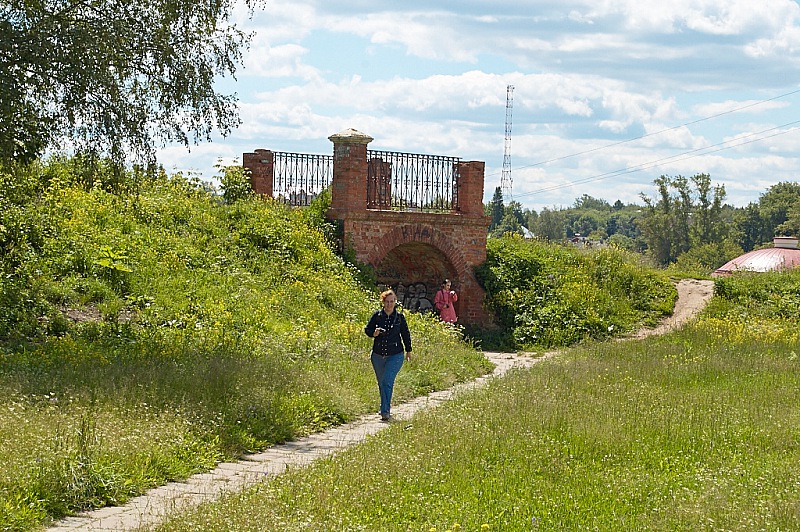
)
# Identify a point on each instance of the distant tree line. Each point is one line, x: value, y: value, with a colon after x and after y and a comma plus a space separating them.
x: 687, y: 223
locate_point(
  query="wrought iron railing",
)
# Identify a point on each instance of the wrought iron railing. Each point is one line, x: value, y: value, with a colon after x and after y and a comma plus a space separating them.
x: 411, y: 182
x: 298, y: 178
x: 395, y: 181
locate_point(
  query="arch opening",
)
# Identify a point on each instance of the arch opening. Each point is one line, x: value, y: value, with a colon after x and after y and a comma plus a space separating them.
x: 415, y: 270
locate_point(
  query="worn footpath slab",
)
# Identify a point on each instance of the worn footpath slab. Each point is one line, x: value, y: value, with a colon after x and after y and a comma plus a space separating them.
x: 152, y: 507
x: 155, y: 505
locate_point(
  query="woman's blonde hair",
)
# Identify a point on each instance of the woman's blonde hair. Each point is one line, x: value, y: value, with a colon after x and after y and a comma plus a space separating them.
x: 386, y: 293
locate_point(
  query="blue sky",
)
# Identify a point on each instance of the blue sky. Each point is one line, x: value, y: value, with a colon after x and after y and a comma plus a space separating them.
x: 607, y: 95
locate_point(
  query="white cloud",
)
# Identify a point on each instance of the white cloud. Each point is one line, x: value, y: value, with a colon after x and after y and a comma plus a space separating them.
x: 713, y: 17
x: 785, y: 41
x: 631, y: 86
x: 278, y: 61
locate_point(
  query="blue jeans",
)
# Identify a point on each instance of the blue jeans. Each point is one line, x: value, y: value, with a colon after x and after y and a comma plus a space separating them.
x: 386, y: 369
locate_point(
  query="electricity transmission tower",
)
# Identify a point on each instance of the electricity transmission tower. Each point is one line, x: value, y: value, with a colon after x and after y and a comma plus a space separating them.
x: 505, y: 181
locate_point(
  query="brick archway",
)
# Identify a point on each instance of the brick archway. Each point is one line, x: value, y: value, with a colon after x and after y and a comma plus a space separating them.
x: 459, y: 242
x: 417, y: 232
x: 424, y: 212
x: 414, y: 259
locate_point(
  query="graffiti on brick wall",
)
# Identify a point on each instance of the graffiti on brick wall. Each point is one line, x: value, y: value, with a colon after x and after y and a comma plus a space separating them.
x: 416, y: 297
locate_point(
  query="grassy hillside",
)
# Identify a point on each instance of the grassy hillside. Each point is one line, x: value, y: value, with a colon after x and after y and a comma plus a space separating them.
x: 694, y: 430
x: 547, y: 295
x: 148, y: 330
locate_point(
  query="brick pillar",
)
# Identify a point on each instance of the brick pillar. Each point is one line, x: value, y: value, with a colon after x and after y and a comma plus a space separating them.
x: 349, y: 187
x: 470, y: 188
x: 473, y: 239
x: 261, y: 165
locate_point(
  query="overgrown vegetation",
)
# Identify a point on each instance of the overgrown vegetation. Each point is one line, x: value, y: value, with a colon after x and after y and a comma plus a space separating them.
x: 686, y: 227
x: 694, y: 430
x: 547, y: 295
x: 149, y: 329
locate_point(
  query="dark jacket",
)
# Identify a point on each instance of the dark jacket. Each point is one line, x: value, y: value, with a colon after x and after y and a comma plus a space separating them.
x: 395, y: 333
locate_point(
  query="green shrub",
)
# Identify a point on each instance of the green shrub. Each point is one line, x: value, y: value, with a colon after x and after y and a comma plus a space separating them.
x: 184, y: 328
x: 549, y: 295
x: 771, y: 295
x: 702, y: 260
x: 235, y: 181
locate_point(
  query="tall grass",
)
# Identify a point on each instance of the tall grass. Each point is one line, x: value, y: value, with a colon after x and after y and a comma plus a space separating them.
x: 149, y: 330
x: 695, y: 430
x: 546, y: 295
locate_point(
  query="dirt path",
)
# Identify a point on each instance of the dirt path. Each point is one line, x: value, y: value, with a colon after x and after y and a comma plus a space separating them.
x: 156, y: 505
x: 693, y: 295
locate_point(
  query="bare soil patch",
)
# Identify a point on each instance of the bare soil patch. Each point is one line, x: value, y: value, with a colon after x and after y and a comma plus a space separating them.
x: 693, y: 296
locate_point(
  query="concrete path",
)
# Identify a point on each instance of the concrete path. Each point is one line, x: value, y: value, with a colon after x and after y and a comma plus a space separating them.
x: 153, y: 507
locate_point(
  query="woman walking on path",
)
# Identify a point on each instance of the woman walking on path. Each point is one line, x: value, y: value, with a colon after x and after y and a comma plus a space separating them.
x: 389, y: 330
x: 444, y: 302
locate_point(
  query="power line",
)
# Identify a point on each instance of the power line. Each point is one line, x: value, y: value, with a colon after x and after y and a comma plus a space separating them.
x: 699, y: 120
x: 674, y: 158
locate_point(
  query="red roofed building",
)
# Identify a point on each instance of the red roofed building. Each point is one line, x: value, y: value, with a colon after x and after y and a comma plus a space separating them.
x: 784, y: 255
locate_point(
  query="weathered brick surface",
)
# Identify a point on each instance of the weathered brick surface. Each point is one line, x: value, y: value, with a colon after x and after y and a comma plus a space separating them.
x: 349, y: 186
x: 410, y: 251
x: 470, y: 189
x: 460, y: 239
x: 260, y: 164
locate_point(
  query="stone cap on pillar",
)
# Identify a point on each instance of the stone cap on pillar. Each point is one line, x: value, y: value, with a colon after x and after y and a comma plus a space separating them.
x: 350, y: 136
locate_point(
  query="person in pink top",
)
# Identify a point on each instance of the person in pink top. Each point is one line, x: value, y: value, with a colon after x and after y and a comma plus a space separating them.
x: 444, y: 302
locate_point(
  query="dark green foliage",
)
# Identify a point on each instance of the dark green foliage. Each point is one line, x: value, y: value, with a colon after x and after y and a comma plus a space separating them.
x: 751, y: 227
x: 683, y: 216
x: 687, y: 217
x: 508, y: 225
x: 315, y: 213
x: 112, y: 76
x: 235, y: 181
x: 511, y: 220
x: 589, y: 217
x: 548, y: 295
x: 777, y: 204
x: 762, y: 295
x: 22, y: 237
x: 791, y: 226
x: 701, y: 260
x: 708, y: 226
x: 496, y: 209
x: 588, y: 202
x: 551, y: 225
x: 185, y: 328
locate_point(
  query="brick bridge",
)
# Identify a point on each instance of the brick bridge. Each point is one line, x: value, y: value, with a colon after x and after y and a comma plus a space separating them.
x: 416, y: 219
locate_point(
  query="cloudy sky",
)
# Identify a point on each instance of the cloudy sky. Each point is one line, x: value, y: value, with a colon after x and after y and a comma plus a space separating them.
x: 608, y: 95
